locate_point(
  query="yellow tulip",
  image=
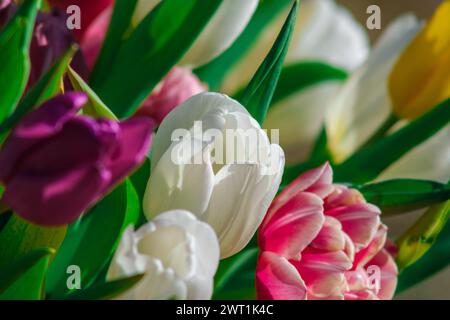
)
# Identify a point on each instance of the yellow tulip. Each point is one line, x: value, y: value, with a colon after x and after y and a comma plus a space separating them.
x: 421, y: 77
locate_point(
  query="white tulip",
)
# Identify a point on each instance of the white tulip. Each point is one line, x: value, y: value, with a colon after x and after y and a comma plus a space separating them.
x: 178, y: 254
x: 325, y: 31
x: 224, y: 27
x: 231, y: 192
x: 363, y: 104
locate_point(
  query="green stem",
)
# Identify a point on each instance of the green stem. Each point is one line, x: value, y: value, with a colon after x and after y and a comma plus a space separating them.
x: 382, y: 131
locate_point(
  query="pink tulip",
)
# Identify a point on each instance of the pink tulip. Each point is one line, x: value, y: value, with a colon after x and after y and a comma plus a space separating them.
x: 321, y: 240
x: 178, y: 86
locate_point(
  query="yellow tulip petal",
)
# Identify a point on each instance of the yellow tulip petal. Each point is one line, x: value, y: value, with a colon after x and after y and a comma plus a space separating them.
x: 421, y: 77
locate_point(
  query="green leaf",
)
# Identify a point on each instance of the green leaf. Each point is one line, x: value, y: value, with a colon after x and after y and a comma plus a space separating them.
x: 405, y: 195
x: 153, y: 48
x: 435, y: 259
x: 368, y: 163
x: 140, y: 179
x: 235, y: 278
x: 23, y: 279
x: 47, y: 86
x: 91, y: 241
x: 258, y: 94
x: 106, y: 291
x: 119, y: 25
x: 421, y: 236
x: 15, y: 41
x: 10, y: 272
x: 299, y: 76
x: 232, y: 266
x: 216, y: 71
x: 19, y: 237
x: 94, y: 107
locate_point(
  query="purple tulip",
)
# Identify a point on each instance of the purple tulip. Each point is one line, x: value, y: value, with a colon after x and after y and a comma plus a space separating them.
x: 56, y: 164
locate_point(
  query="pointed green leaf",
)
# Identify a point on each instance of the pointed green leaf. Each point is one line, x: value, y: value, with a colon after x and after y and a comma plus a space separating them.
x: 107, y: 290
x: 19, y: 237
x: 15, y: 41
x: 119, y: 25
x: 405, y: 195
x: 369, y: 162
x: 152, y: 49
x: 94, y: 107
x: 23, y: 279
x: 299, y: 76
x: 49, y: 85
x: 216, y: 71
x: 258, y: 94
x: 91, y: 240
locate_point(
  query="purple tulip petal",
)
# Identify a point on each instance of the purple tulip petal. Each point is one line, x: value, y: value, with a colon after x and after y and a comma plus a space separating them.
x: 46, y: 121
x: 55, y: 200
x: 133, y: 145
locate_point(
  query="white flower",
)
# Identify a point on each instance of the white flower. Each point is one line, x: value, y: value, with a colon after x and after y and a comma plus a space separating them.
x: 224, y: 27
x: 178, y: 254
x: 327, y: 32
x: 232, y: 185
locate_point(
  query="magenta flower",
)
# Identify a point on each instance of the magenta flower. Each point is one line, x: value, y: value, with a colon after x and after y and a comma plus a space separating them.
x: 320, y: 240
x: 56, y: 164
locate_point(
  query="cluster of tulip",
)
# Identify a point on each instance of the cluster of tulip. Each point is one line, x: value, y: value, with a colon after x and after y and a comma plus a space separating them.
x: 93, y: 181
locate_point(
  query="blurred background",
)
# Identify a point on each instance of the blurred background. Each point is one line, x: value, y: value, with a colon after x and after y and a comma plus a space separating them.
x: 390, y: 9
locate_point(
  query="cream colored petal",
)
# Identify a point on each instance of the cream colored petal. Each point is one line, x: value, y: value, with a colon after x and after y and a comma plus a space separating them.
x: 324, y: 31
x: 240, y: 200
x: 362, y: 104
x: 143, y: 7
x: 299, y: 119
x: 225, y: 26
x: 328, y: 32
x: 429, y: 161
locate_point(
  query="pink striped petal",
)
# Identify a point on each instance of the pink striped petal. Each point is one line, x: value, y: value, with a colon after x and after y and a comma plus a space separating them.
x: 277, y: 279
x: 359, y: 221
x: 389, y: 274
x: 293, y: 226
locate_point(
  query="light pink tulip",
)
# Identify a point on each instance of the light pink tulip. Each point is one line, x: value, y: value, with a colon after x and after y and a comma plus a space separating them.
x: 178, y: 86
x: 321, y: 240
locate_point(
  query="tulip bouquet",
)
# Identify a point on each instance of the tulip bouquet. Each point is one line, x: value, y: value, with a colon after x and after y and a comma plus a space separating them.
x: 226, y: 149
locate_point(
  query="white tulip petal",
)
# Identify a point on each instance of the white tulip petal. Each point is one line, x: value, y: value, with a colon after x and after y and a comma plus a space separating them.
x: 328, y: 32
x: 429, y: 161
x: 300, y: 119
x: 184, y: 184
x: 178, y: 254
x: 184, y: 116
x: 225, y: 26
x: 363, y: 104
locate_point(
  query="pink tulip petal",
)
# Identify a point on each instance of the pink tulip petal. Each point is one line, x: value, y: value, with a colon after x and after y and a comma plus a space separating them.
x: 389, y: 272
x: 367, y: 253
x: 359, y: 221
x: 331, y: 237
x: 293, y: 226
x: 277, y: 279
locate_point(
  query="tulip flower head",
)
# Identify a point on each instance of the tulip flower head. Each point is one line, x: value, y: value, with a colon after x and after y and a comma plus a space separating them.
x: 322, y: 241
x: 55, y: 164
x: 178, y: 254
x: 216, y: 175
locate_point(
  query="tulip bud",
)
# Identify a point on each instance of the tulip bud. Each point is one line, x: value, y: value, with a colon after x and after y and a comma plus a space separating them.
x: 226, y: 175
x: 178, y: 86
x: 56, y: 164
x: 421, y: 77
x: 178, y: 254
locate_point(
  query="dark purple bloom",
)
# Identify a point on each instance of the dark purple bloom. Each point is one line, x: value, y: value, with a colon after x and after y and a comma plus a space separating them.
x: 55, y: 164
